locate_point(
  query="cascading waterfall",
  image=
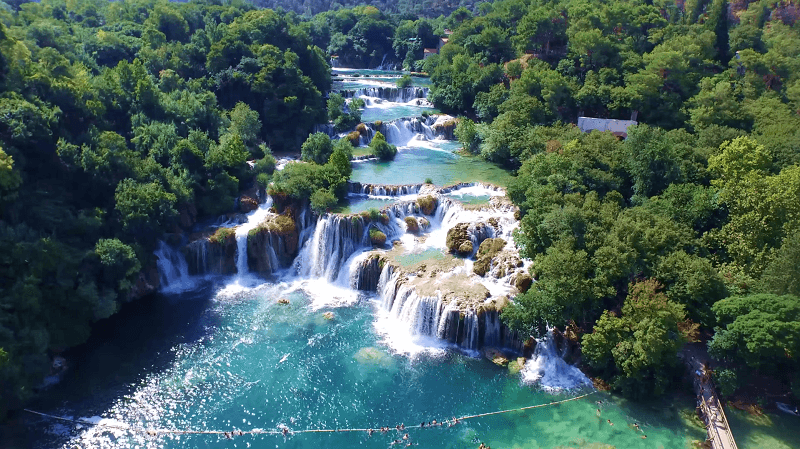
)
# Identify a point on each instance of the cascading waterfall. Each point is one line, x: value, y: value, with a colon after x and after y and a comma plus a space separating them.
x: 392, y: 94
x: 547, y: 367
x: 173, y: 270
x: 254, y: 218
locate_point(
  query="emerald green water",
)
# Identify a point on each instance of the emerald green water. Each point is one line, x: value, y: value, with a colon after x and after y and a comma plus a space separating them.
x: 769, y: 431
x: 373, y: 113
x: 414, y: 164
x: 203, y: 361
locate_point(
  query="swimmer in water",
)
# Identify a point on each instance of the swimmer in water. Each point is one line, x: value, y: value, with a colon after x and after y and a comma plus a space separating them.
x: 609, y: 422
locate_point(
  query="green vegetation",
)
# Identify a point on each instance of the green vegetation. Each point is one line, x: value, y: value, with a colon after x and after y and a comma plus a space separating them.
x: 381, y: 148
x: 698, y: 202
x: 377, y: 237
x: 638, y: 351
x: 404, y: 81
x: 120, y: 121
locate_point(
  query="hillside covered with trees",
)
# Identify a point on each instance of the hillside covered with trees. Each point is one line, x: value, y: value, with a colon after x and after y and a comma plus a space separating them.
x: 120, y: 121
x: 691, y: 221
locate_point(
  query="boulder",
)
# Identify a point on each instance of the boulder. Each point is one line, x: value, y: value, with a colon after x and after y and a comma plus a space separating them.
x: 427, y: 204
x: 515, y: 366
x: 412, y: 225
x: 247, y: 204
x: 376, y: 237
x: 459, y: 241
x: 523, y: 282
x: 495, y: 356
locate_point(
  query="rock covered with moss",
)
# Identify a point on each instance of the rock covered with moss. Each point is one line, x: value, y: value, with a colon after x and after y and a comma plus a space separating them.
x: 376, y: 237
x: 427, y: 204
x: 277, y: 235
x: 412, y: 225
x: 486, y: 252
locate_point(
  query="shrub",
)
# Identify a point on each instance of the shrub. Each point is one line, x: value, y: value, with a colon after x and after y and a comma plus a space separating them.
x: 428, y: 180
x: 222, y: 236
x: 382, y: 149
x: 354, y: 138
x: 404, y: 81
x: 322, y: 200
x: 317, y: 148
x: 374, y: 214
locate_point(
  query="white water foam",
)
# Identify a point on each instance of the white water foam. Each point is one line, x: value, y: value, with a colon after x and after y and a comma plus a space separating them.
x: 548, y: 368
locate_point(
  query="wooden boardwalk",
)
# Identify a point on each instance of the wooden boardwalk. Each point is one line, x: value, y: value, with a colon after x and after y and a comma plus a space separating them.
x: 719, y: 431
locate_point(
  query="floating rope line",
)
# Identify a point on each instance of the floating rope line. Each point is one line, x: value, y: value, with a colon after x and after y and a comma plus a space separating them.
x: 287, y: 431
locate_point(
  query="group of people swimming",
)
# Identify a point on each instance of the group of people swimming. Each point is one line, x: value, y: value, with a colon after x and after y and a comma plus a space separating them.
x: 635, y: 425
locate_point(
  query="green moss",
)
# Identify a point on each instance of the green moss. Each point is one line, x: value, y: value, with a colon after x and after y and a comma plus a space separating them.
x: 486, y: 252
x: 377, y: 237
x: 222, y: 236
x: 412, y: 225
x: 361, y: 129
x: 354, y: 137
x: 427, y: 204
x: 279, y: 224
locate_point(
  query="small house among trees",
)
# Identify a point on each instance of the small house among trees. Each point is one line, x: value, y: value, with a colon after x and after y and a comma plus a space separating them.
x: 617, y: 127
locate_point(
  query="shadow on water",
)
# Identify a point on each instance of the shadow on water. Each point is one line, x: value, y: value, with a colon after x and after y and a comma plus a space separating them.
x: 140, y: 338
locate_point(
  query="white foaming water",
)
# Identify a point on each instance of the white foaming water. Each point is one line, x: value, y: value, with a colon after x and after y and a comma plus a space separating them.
x: 477, y: 190
x: 243, y: 279
x: 548, y: 368
x: 173, y: 270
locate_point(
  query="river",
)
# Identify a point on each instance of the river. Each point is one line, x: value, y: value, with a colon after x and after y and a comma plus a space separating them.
x: 221, y: 353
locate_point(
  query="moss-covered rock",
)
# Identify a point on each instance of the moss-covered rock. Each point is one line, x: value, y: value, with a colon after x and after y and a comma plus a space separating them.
x: 424, y: 224
x: 412, y: 225
x: 515, y: 366
x: 486, y: 252
x: 377, y: 237
x: 361, y: 129
x: 495, y: 356
x: 523, y: 282
x: 222, y: 236
x: 457, y: 236
x: 465, y: 249
x: 354, y: 138
x: 427, y: 204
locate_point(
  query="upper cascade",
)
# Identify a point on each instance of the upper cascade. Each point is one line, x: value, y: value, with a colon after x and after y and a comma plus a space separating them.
x: 392, y: 94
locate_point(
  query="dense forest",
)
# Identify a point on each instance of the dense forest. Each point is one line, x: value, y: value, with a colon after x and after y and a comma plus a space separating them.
x: 409, y: 9
x: 690, y: 227
x: 123, y: 121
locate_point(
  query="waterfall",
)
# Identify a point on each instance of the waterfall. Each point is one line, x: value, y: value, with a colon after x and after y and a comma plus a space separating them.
x: 335, y: 239
x: 254, y: 218
x: 173, y: 270
x: 547, y: 367
x: 392, y: 94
